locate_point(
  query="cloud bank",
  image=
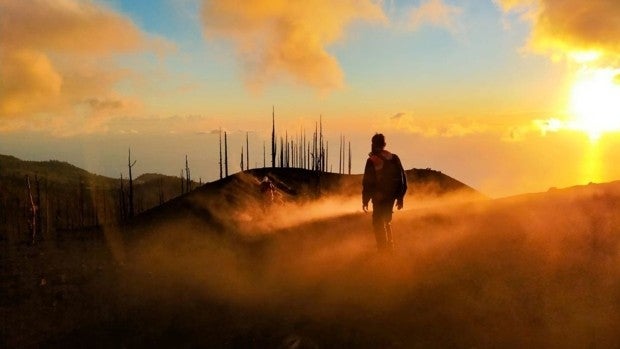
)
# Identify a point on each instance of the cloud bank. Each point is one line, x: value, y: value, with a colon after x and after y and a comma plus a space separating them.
x: 432, y: 127
x: 569, y: 27
x: 57, y: 59
x: 287, y: 39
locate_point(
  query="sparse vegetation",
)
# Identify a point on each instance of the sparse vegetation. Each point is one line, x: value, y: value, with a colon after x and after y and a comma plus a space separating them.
x: 68, y: 198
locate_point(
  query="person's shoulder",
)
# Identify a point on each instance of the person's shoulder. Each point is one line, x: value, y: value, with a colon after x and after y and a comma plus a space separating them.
x: 396, y: 159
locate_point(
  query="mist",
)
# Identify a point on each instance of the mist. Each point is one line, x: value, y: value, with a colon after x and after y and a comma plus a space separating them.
x: 528, y: 271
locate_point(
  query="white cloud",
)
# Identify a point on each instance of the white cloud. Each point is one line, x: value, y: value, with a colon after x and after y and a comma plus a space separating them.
x: 435, y: 13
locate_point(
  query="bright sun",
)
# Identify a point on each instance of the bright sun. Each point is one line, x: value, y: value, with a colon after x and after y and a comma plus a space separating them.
x: 595, y: 101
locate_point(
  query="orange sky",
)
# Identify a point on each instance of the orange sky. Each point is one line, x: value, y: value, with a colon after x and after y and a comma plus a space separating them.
x: 494, y: 93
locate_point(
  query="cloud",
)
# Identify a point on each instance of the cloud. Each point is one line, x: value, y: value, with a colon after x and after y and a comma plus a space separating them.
x: 535, y: 127
x: 28, y: 79
x: 100, y: 104
x: 431, y: 127
x: 435, y: 13
x: 454, y: 127
x: 287, y: 39
x: 398, y: 116
x: 567, y: 27
x: 57, y: 63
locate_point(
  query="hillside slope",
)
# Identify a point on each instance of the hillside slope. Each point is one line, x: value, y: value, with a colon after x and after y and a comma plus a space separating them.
x: 531, y: 271
x: 233, y: 202
x: 70, y: 198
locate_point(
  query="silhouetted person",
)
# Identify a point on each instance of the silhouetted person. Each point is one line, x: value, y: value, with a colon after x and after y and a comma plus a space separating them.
x: 384, y: 183
x: 267, y: 191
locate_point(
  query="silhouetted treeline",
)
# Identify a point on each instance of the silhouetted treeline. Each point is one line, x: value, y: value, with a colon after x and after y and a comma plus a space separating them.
x: 300, y: 151
x: 297, y: 150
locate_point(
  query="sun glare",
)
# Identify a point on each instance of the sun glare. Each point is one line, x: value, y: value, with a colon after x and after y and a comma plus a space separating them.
x: 595, y: 102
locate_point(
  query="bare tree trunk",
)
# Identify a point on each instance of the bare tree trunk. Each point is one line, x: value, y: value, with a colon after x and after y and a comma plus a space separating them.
x: 264, y: 156
x: 273, y: 136
x: 34, y: 209
x: 220, y: 153
x: 247, y: 151
x: 182, y: 182
x: 188, y: 178
x: 344, y: 146
x: 226, y: 153
x: 340, y: 155
x: 327, y: 156
x: 321, y: 157
x: 281, y: 152
x: 241, y: 163
x: 38, y: 203
x: 308, y: 157
x: 286, y: 149
x: 130, y: 165
x: 349, y: 157
x: 315, y: 148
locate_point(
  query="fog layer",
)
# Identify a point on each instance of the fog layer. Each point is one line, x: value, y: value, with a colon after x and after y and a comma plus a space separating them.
x: 530, y: 271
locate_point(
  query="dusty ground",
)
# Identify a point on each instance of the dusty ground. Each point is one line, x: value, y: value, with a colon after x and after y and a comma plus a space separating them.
x: 539, y: 271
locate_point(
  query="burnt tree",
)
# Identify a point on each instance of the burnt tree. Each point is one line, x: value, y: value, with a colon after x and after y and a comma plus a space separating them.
x: 188, y: 178
x: 241, y: 163
x: 33, y: 212
x: 226, y: 154
x: 220, y: 153
x: 130, y: 166
x: 273, y: 137
x: 247, y: 151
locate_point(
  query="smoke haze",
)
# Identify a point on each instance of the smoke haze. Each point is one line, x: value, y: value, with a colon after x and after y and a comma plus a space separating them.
x: 529, y: 271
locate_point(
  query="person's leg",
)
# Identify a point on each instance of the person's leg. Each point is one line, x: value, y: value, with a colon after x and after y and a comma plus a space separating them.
x: 378, y: 226
x: 381, y: 217
x: 387, y: 221
x: 389, y: 241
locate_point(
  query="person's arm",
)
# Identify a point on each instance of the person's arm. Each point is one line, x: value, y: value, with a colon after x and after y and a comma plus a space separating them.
x: 368, y: 184
x: 403, y: 186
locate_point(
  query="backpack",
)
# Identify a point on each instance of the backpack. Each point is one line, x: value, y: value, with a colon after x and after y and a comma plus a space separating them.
x: 390, y: 181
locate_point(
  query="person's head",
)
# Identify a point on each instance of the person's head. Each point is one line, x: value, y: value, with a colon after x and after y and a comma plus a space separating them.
x: 378, y: 142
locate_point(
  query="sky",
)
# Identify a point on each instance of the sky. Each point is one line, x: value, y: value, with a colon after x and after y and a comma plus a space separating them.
x: 507, y: 96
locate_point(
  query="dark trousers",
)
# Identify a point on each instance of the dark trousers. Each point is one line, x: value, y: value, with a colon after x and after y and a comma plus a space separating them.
x: 381, y: 222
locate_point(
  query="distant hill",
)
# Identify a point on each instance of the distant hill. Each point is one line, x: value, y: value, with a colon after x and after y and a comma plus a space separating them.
x: 229, y: 202
x: 53, y: 170
x: 70, y: 197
